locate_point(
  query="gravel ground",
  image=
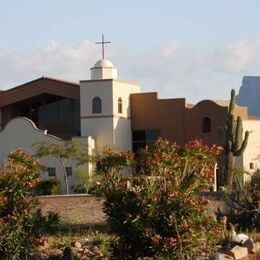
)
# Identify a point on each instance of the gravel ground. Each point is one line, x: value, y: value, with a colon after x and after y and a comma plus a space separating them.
x: 76, y: 209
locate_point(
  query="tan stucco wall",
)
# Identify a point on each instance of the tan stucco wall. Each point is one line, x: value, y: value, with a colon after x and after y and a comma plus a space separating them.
x: 193, y: 121
x: 177, y: 121
x: 149, y: 112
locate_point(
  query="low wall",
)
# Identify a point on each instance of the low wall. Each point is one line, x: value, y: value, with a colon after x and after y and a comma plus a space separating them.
x: 215, y: 202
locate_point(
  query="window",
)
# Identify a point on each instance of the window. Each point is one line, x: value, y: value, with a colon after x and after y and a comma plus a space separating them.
x: 51, y: 171
x: 68, y: 171
x: 141, y: 138
x: 251, y: 166
x: 120, y: 106
x: 206, y: 125
x: 96, y: 105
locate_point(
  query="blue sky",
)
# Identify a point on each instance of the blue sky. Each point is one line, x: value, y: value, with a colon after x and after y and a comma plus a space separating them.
x: 194, y: 49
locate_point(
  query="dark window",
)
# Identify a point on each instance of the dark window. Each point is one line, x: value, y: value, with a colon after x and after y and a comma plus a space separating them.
x: 96, y: 105
x: 251, y: 166
x: 68, y: 171
x: 51, y: 171
x: 120, y: 106
x: 141, y: 138
x: 206, y: 125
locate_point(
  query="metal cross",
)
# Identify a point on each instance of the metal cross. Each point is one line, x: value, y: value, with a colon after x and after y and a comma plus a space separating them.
x: 103, y: 43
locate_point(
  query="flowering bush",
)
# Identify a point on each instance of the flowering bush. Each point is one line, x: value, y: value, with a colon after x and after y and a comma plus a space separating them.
x: 18, y: 208
x: 157, y: 213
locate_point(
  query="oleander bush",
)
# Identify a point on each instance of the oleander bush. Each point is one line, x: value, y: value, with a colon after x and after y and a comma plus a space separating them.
x: 19, y: 214
x: 157, y: 213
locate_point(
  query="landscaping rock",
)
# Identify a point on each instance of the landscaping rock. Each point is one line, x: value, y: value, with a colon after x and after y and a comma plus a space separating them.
x: 240, y: 238
x: 249, y: 244
x: 221, y: 256
x: 78, y: 245
x: 257, y: 246
x: 238, y: 252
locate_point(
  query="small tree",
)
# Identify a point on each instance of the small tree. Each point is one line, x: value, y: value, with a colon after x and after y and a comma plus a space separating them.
x: 232, y: 140
x: 62, y: 152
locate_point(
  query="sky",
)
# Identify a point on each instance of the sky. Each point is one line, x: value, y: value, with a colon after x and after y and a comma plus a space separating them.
x: 179, y: 48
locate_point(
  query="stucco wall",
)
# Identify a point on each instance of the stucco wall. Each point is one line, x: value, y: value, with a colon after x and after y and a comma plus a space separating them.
x: 22, y: 133
x: 149, y: 112
x: 252, y: 152
x: 193, y: 121
x: 109, y: 128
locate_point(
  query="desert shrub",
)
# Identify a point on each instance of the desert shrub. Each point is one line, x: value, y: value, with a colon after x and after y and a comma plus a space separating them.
x: 157, y: 213
x: 48, y: 187
x: 19, y: 233
x: 243, y: 202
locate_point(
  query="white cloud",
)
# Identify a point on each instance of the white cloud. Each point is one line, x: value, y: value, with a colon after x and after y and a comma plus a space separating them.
x: 236, y: 57
x: 170, y: 69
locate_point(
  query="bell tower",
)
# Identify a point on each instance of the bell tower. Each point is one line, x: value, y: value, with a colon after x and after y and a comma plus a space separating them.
x: 105, y: 107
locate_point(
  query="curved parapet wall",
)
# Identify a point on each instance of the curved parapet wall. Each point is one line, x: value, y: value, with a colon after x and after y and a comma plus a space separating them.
x: 22, y: 133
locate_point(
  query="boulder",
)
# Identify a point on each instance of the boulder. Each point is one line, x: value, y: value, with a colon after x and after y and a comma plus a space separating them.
x: 238, y: 252
x: 257, y: 246
x: 221, y: 256
x: 249, y: 244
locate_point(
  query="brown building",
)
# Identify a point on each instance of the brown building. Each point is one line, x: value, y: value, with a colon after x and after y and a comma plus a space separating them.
x: 50, y: 103
x: 177, y: 121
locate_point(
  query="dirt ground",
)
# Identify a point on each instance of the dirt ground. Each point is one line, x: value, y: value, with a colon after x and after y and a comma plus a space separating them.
x: 76, y: 209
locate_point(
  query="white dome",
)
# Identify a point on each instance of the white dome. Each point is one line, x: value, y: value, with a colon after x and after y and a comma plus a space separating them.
x: 103, y: 69
x: 103, y: 64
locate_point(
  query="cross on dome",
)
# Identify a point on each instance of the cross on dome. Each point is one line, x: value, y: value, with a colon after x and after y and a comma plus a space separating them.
x: 103, y: 46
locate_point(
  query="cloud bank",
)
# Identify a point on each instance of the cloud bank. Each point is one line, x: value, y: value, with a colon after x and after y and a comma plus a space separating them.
x: 170, y: 69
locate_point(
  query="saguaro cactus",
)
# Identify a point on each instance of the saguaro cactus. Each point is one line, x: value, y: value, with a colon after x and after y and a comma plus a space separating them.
x: 233, y: 142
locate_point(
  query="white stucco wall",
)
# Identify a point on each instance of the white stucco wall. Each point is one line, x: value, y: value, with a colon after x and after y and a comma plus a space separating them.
x: 122, y: 134
x: 22, y: 133
x: 123, y: 89
x: 91, y: 89
x: 109, y: 128
x: 101, y: 129
x: 252, y: 152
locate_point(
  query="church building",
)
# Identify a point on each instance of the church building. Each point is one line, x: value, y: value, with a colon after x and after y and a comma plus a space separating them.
x: 105, y: 111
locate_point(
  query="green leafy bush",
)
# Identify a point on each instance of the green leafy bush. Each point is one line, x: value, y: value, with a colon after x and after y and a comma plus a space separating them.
x: 48, y: 187
x: 19, y: 233
x: 157, y: 213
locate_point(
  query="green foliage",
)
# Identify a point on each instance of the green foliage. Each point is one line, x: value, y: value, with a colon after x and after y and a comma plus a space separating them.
x: 157, y: 213
x: 244, y: 204
x: 48, y: 187
x: 232, y: 139
x: 86, y: 181
x: 19, y: 233
x: 62, y: 152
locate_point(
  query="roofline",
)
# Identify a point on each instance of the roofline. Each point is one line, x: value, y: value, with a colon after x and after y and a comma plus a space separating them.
x: 118, y: 80
x: 43, y: 77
